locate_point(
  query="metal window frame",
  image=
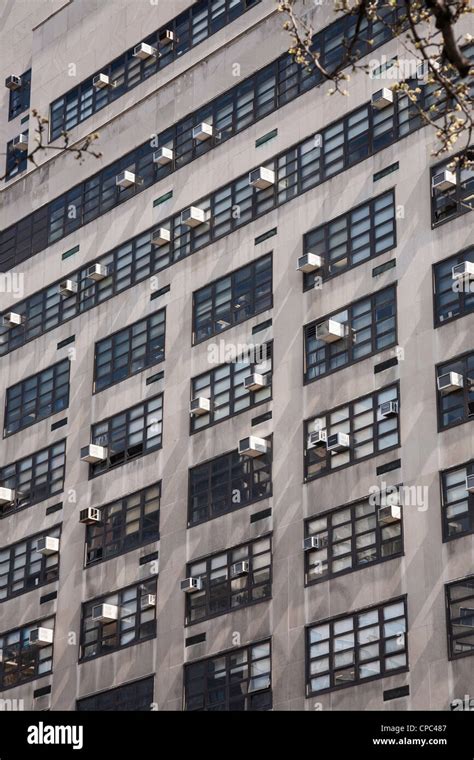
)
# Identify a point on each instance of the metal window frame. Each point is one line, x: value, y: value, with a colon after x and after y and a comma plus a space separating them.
x: 39, y: 379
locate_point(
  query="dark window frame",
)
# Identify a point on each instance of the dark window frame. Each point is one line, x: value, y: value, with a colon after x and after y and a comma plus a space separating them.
x: 11, y: 481
x: 443, y: 368
x: 16, y: 160
x: 36, y: 651
x: 445, y: 503
x: 42, y: 576
x: 114, y: 695
x: 467, y: 254
x: 19, y: 100
x: 469, y: 579
x: 456, y: 196
x: 56, y: 369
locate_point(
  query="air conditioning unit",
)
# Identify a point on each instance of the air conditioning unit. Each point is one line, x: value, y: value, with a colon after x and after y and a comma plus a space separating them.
x: 89, y: 516
x: 309, y: 262
x: 166, y: 37
x: 470, y: 483
x: 144, y: 51
x: 317, y: 438
x: 450, y: 382
x: 199, y: 406
x: 314, y: 542
x: 330, y: 330
x: 147, y: 602
x: 388, y: 409
x: 163, y: 156
x: 239, y: 568
x: 104, y: 613
x: 97, y: 272
x: 338, y: 442
x: 255, y: 382
x: 444, y: 180
x: 20, y: 142
x: 162, y: 236
x: 262, y: 178
x: 7, y: 496
x: 382, y: 98
x: 47, y: 545
x: 203, y: 132
x: 388, y: 515
x: 127, y: 179
x: 41, y: 637
x: 93, y: 453
x: 463, y: 271
x: 101, y: 82
x: 252, y: 446
x: 191, y: 584
x: 11, y: 319
x: 68, y: 288
x: 13, y: 82
x: 193, y: 216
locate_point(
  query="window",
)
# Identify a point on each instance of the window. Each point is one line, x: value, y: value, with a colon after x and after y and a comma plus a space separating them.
x: 352, y: 238
x: 351, y: 538
x: 34, y: 478
x: 16, y: 160
x: 453, y: 298
x: 370, y: 433
x: 125, y: 524
x: 37, y: 397
x: 131, y: 434
x: 129, y: 351
x: 21, y: 660
x: 357, y: 647
x: 131, y: 697
x: 232, y: 299
x: 135, y: 621
x: 20, y: 99
x: 457, y: 502
x: 370, y: 326
x: 234, y: 681
x: 456, y: 400
x: 23, y: 568
x: 224, y: 386
x: 455, y: 201
x: 460, y: 617
x: 227, y: 483
x: 190, y: 28
x: 231, y: 579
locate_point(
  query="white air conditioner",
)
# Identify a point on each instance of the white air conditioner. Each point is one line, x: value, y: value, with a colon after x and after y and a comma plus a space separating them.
x: 388, y: 409
x: 450, y: 382
x: 41, y: 637
x: 470, y: 483
x: 127, y: 179
x: 191, y: 584
x: 161, y: 236
x: 388, y: 515
x: 89, y: 516
x: 20, y: 142
x: 463, y: 271
x: 101, y: 82
x: 166, y: 37
x: 314, y: 542
x: 12, y: 319
x: 193, y: 216
x: 317, y: 438
x: 144, y: 51
x: 239, y: 568
x: 68, y: 288
x: 252, y: 446
x: 338, y: 442
x: 199, y: 406
x: 147, y: 602
x: 93, y: 453
x: 97, y: 272
x: 47, y: 545
x: 382, y: 98
x: 203, y: 132
x: 13, y: 82
x: 163, y: 156
x: 309, y: 262
x: 330, y: 330
x: 262, y: 178
x: 444, y: 180
x: 7, y: 496
x: 255, y: 382
x: 104, y: 613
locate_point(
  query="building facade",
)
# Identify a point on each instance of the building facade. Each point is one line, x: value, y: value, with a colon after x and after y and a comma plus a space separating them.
x: 237, y: 465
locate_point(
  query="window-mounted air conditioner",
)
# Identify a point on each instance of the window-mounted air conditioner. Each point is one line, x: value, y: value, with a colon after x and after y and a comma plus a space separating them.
x: 7, y: 496
x: 144, y: 51
x: 443, y: 181
x: 12, y: 319
x: 317, y: 438
x: 191, y: 584
x: 41, y: 637
x: 161, y: 236
x: 93, y: 453
x: 450, y: 382
x: 147, y: 602
x: 309, y: 262
x: 193, y: 216
x: 163, y: 156
x: 330, y: 331
x: 203, y: 132
x: 314, y: 542
x: 166, y: 37
x: 102, y: 82
x: 127, y: 179
x: 89, y: 516
x: 47, y: 545
x: 470, y: 483
x: 463, y: 271
x: 68, y: 288
x: 255, y: 382
x: 199, y: 406
x: 20, y: 142
x: 253, y: 446
x: 97, y: 272
x: 338, y: 442
x: 389, y: 514
x: 13, y: 82
x: 239, y: 568
x: 382, y: 98
x: 261, y: 178
x: 105, y: 613
x: 388, y: 409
